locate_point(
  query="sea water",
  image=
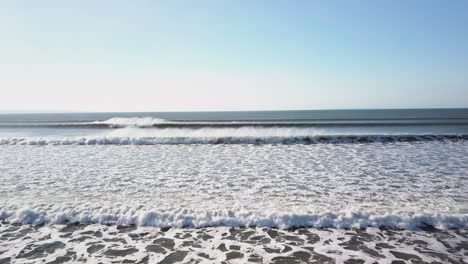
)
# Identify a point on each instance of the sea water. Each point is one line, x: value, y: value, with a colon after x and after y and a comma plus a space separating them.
x: 292, y: 180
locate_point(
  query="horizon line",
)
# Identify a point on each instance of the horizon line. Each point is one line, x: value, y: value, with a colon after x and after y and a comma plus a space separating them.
x: 218, y: 111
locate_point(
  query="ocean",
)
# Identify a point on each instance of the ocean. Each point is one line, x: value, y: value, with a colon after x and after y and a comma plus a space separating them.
x: 324, y: 186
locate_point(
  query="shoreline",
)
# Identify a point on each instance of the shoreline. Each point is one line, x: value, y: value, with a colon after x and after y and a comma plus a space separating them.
x: 131, y: 244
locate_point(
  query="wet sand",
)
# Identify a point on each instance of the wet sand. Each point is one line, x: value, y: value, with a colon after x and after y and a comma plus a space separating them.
x: 75, y: 243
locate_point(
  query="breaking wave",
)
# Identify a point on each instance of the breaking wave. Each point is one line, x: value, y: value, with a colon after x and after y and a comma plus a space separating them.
x: 151, y: 122
x: 131, y: 122
x: 184, y: 218
x: 195, y: 138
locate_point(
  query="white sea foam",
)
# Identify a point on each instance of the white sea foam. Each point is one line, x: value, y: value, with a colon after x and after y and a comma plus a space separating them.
x: 138, y: 136
x: 182, y: 218
x: 117, y: 244
x: 242, y: 135
x: 336, y: 185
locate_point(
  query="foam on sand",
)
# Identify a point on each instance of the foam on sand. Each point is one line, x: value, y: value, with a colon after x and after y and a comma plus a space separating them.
x: 106, y: 244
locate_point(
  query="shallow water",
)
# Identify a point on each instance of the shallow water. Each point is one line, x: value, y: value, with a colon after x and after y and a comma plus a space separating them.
x: 119, y: 244
x: 325, y: 187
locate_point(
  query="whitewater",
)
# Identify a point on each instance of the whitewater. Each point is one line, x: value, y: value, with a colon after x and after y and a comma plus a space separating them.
x: 88, y: 189
x: 404, y: 184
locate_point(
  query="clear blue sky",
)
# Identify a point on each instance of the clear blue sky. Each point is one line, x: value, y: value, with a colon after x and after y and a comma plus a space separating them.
x: 232, y: 55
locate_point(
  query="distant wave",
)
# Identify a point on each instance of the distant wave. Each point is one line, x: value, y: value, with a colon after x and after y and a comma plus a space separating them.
x: 184, y: 218
x: 151, y: 122
x: 219, y: 139
x: 132, y: 121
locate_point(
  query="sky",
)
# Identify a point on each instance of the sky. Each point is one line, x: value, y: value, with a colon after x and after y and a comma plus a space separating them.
x: 225, y: 55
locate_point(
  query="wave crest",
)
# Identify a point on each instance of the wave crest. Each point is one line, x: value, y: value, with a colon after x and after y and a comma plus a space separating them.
x: 131, y: 122
x: 184, y: 218
x: 219, y: 139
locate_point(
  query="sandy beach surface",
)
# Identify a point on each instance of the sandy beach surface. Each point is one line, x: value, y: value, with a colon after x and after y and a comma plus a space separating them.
x: 77, y: 243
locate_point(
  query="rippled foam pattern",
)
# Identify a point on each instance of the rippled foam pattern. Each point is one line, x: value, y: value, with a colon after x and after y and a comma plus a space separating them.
x: 404, y: 185
x: 119, y: 244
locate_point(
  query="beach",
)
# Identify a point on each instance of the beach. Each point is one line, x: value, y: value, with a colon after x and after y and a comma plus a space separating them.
x: 129, y: 244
